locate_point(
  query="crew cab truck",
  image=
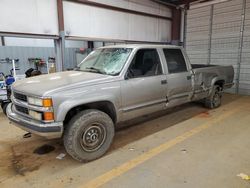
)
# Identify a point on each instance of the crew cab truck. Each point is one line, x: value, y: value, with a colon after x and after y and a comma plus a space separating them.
x: 112, y: 85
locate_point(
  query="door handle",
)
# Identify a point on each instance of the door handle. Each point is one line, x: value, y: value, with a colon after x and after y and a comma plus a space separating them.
x: 164, y: 82
x: 188, y: 77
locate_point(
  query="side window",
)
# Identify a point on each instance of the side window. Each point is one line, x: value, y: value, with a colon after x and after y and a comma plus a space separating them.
x: 146, y: 62
x: 175, y: 60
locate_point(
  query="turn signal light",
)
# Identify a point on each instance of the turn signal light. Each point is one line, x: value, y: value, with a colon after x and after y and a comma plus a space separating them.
x: 48, y: 116
x: 47, y: 102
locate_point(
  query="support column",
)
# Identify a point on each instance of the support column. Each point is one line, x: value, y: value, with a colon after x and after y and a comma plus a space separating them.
x: 210, y: 34
x: 2, y: 41
x: 243, y: 13
x: 60, y: 43
x: 176, y: 26
x: 91, y: 45
x: 59, y: 57
x: 185, y: 28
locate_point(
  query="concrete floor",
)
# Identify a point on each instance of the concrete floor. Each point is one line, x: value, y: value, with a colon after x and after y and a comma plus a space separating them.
x: 187, y: 146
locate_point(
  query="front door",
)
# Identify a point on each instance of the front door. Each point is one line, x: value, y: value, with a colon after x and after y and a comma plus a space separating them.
x: 144, y: 88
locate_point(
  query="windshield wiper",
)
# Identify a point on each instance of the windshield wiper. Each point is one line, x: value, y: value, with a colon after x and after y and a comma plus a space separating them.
x: 95, y: 70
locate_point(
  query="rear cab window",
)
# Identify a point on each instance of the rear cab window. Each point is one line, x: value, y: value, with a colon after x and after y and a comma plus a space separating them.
x: 175, y: 60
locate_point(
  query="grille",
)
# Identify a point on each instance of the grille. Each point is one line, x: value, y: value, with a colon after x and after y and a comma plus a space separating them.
x: 22, y: 109
x: 20, y: 96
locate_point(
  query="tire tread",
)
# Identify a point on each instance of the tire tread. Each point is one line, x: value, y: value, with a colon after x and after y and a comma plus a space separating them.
x: 71, y: 131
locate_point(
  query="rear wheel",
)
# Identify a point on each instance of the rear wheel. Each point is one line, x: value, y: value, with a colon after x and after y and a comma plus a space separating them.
x: 88, y: 135
x: 214, y: 100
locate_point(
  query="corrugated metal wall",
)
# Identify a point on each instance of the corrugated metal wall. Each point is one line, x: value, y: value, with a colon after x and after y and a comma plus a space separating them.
x: 197, y: 35
x: 220, y: 34
x: 95, y: 22
x: 81, y: 20
x: 226, y: 25
x: 29, y: 16
x: 23, y: 53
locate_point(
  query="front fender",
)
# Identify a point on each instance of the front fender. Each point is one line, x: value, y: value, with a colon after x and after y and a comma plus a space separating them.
x: 67, y: 105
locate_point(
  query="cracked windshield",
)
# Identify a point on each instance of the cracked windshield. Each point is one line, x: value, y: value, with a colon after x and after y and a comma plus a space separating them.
x: 105, y: 61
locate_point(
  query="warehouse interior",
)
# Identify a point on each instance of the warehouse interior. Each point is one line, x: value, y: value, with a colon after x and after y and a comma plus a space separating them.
x: 193, y: 142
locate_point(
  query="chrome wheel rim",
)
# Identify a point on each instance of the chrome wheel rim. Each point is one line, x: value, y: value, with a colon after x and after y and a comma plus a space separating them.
x: 93, y: 137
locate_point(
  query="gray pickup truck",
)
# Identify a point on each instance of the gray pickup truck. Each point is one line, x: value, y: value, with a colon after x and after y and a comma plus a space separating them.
x: 112, y: 85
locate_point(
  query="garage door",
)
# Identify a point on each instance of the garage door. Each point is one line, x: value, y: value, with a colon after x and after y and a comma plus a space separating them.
x: 220, y: 34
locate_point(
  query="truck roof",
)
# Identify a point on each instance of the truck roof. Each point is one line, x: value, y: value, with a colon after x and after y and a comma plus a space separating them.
x: 141, y: 46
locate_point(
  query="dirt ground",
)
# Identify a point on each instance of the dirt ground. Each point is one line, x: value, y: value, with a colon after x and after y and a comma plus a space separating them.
x: 23, y: 163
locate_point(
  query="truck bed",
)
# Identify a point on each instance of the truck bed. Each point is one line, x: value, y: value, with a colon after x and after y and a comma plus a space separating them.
x: 205, y: 75
x: 197, y: 66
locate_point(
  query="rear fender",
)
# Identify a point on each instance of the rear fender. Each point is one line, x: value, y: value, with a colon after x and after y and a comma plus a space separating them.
x: 216, y: 80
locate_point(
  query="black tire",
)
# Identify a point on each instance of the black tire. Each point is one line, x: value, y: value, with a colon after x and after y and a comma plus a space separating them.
x: 4, y: 107
x: 214, y: 100
x: 88, y: 135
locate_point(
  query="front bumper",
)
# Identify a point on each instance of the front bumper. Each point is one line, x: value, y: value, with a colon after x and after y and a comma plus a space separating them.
x: 48, y: 130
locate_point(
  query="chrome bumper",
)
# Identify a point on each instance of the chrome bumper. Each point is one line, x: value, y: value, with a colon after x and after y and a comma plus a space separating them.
x: 48, y: 130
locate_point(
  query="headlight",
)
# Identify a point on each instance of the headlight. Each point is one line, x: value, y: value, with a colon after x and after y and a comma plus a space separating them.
x: 35, y: 101
x: 46, y: 102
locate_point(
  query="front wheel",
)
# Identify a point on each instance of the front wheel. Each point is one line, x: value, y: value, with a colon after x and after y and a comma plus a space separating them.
x: 88, y: 135
x: 214, y: 100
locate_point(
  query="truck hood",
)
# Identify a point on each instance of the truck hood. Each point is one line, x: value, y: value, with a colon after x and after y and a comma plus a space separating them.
x: 45, y: 84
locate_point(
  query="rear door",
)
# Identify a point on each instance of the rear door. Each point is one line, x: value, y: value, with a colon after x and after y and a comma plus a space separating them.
x: 179, y: 77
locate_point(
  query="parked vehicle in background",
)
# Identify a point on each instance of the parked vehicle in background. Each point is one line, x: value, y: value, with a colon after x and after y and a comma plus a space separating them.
x: 112, y: 85
x: 3, y: 92
x: 6, y: 81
